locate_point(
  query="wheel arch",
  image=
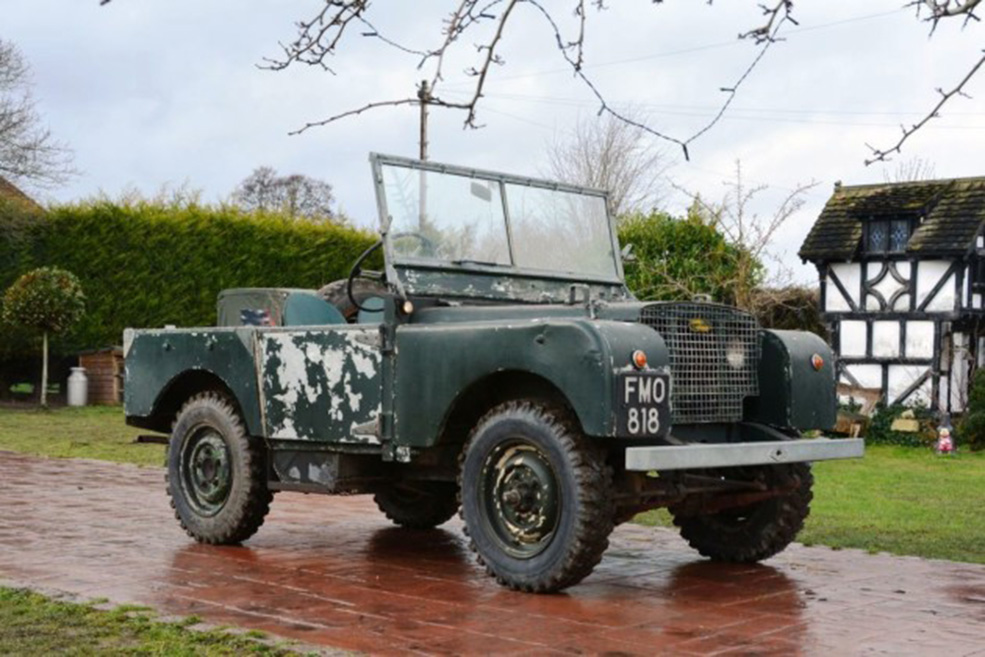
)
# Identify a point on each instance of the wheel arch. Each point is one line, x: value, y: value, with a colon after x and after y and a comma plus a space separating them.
x: 180, y: 389
x: 491, y: 390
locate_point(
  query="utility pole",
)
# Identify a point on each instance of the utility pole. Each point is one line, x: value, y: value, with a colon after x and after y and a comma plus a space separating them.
x: 424, y: 94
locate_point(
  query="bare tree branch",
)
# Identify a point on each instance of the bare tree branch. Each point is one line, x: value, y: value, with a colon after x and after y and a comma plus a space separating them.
x: 879, y: 155
x: 775, y: 15
x: 941, y: 9
x: 28, y: 151
x: 354, y: 112
x: 319, y: 38
x: 752, y: 234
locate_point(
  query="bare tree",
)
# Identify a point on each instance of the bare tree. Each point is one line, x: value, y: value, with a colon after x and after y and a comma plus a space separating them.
x: 610, y: 154
x: 296, y: 195
x: 754, y: 235
x: 28, y: 153
x: 911, y: 170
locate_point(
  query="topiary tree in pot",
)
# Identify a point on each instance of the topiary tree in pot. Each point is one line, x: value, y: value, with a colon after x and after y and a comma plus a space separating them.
x: 47, y: 300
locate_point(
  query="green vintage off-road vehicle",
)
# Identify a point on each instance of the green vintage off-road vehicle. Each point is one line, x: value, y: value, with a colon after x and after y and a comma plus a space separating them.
x: 499, y: 366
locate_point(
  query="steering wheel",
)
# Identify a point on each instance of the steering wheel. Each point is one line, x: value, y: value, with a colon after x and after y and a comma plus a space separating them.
x: 428, y: 248
x: 357, y: 269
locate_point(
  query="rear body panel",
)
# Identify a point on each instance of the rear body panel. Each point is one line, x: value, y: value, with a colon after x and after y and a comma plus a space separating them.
x: 321, y: 384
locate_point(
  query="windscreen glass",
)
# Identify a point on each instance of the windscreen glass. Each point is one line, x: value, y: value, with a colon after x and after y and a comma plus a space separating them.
x: 560, y: 231
x: 445, y: 217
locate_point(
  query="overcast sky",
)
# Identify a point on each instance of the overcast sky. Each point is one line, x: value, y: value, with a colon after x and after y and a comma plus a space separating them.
x: 148, y: 93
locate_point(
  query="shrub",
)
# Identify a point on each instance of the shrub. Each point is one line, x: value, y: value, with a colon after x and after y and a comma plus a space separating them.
x: 971, y: 431
x: 880, y: 430
x: 45, y: 300
x: 678, y: 258
x: 792, y: 308
x: 146, y: 264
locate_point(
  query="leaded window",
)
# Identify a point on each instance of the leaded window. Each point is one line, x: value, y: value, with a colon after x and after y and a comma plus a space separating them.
x: 878, y: 236
x: 887, y: 235
x: 899, y: 235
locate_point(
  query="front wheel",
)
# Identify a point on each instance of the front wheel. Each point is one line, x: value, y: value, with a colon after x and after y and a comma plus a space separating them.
x: 536, y: 497
x: 216, y: 474
x: 756, y: 531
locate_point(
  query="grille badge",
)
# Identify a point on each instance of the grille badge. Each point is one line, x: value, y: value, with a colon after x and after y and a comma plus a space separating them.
x: 699, y: 325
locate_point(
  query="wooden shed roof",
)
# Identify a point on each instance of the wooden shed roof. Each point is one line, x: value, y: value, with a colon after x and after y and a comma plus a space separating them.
x: 951, y: 213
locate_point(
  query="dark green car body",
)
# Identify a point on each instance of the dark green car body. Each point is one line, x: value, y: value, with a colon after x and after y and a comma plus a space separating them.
x: 403, y: 385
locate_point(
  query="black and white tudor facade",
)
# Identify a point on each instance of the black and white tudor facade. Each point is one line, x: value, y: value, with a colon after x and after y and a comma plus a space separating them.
x: 902, y: 269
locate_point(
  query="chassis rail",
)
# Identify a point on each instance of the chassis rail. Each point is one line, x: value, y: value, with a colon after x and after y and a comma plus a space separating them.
x: 697, y: 456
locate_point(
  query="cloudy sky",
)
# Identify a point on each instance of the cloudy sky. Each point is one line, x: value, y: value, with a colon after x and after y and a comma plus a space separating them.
x: 152, y: 92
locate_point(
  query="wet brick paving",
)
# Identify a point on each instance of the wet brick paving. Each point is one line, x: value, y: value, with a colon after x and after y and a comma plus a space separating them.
x: 332, y: 572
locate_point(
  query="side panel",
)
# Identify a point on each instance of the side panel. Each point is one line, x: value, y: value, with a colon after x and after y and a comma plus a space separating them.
x: 436, y: 363
x: 156, y: 358
x: 791, y: 392
x: 321, y: 384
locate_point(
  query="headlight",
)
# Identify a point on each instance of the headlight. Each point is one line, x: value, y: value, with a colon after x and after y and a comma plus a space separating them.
x: 735, y: 355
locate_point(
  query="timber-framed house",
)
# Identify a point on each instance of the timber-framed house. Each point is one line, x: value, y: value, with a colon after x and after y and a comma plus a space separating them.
x: 902, y: 273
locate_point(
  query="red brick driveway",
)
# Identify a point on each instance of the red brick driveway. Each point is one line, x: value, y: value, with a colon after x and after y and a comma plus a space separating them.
x: 331, y: 571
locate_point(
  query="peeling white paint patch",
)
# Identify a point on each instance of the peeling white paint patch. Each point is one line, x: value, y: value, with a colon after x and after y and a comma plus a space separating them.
x: 327, y: 373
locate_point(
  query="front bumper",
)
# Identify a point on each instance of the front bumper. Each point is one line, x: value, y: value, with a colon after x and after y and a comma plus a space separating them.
x: 701, y: 455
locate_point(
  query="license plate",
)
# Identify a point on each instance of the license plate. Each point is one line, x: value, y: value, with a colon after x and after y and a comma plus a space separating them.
x: 643, y: 404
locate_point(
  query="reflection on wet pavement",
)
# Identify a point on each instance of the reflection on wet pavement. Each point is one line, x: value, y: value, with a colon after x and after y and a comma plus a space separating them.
x: 331, y: 571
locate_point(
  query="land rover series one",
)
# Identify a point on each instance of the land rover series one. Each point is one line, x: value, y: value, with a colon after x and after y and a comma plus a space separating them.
x: 500, y: 368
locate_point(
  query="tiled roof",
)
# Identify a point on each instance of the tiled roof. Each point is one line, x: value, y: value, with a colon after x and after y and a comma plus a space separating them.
x: 9, y: 191
x: 952, y: 212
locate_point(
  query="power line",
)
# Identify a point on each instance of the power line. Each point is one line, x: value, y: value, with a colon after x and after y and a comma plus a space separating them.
x: 670, y: 107
x: 683, y: 51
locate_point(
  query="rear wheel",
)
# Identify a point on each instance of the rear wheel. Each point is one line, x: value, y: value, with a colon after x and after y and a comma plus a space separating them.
x: 756, y: 531
x: 216, y: 474
x: 536, y: 497
x: 419, y: 505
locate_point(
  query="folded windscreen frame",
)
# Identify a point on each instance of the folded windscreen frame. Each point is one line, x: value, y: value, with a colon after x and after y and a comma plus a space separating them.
x: 454, y: 232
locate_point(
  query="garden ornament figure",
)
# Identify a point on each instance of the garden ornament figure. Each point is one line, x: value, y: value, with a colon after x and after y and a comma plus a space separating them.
x: 945, y: 443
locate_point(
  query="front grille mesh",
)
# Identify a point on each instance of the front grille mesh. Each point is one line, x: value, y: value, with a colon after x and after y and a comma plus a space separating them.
x: 705, y: 387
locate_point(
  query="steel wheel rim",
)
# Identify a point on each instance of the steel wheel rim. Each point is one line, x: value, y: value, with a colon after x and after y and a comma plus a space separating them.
x: 520, y: 497
x: 206, y: 473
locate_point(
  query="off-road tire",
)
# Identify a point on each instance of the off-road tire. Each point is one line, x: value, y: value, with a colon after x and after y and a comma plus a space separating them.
x: 362, y: 289
x: 211, y: 418
x: 583, y: 504
x: 755, y: 532
x: 422, y: 505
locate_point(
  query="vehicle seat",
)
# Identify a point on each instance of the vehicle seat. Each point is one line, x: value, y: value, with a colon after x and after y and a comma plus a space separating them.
x: 373, y: 313
x: 309, y: 310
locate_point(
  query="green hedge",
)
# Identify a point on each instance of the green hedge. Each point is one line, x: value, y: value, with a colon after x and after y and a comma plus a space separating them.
x: 145, y: 264
x: 676, y: 258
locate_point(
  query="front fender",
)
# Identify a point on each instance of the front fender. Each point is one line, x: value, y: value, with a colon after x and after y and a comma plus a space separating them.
x: 792, y: 392
x: 577, y: 356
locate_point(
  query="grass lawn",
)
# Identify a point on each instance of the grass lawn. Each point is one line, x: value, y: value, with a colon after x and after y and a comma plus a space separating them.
x: 897, y: 499
x: 31, y: 624
x: 92, y: 432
